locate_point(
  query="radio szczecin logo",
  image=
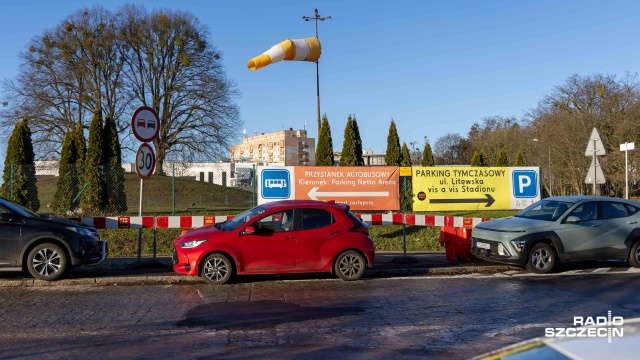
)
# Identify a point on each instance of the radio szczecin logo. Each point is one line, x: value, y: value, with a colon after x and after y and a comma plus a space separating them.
x: 590, y: 327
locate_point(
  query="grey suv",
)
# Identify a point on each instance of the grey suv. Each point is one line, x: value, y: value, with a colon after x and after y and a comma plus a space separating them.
x: 562, y: 228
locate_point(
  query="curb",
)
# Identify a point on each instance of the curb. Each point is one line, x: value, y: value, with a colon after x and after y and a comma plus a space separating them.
x: 183, y: 279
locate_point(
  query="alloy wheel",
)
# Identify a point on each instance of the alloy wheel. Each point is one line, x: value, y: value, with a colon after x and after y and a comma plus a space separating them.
x: 216, y: 269
x: 540, y: 258
x: 350, y: 265
x: 46, y: 262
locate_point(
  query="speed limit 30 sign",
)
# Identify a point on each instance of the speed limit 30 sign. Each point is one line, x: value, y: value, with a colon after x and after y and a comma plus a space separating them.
x: 145, y: 161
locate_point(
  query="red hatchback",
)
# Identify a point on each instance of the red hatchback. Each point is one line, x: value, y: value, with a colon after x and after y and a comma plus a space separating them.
x: 293, y: 236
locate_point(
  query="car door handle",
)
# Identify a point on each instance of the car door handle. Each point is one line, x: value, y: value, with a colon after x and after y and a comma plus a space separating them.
x: 632, y: 222
x: 333, y: 232
x: 288, y: 237
x: 596, y: 225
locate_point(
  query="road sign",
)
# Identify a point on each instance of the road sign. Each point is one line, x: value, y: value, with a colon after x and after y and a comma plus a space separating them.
x: 145, y: 161
x: 362, y: 188
x: 145, y: 124
x: 595, y: 172
x: 474, y: 188
x: 595, y: 143
x: 275, y: 183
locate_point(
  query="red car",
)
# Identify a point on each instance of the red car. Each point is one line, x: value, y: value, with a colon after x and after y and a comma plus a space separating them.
x: 293, y: 236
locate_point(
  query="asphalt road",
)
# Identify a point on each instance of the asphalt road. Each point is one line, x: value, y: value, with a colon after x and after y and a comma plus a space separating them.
x: 403, y: 318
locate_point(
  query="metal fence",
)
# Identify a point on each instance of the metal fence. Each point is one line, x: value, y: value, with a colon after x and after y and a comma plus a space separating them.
x: 183, y: 189
x: 180, y: 189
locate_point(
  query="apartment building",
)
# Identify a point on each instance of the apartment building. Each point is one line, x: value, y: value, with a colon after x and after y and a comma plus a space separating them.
x: 285, y: 147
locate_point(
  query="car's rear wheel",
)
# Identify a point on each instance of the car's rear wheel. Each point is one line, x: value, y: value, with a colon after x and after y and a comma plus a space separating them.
x: 350, y: 265
x: 217, y: 269
x: 634, y: 257
x: 542, y: 259
x: 47, y: 262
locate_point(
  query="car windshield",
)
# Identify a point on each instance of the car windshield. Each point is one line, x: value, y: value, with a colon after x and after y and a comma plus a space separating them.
x: 19, y: 209
x: 548, y: 210
x: 237, y: 221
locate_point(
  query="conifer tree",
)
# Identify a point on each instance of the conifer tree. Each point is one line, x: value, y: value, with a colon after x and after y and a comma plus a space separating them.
x: 19, y: 174
x: 348, y: 156
x: 406, y: 156
x: 29, y: 170
x: 80, y: 145
x: 12, y: 180
x: 115, y: 197
x: 67, y: 188
x: 427, y: 156
x: 93, y: 196
x: 519, y: 160
x: 393, y: 155
x: 502, y: 159
x: 356, y: 130
x: 475, y: 161
x: 483, y: 161
x: 324, y: 150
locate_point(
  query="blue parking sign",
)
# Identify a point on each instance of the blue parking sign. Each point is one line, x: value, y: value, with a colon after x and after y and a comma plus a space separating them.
x: 525, y: 183
x: 276, y: 183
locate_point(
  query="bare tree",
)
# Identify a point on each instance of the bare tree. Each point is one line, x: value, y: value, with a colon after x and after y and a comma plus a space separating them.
x: 122, y: 61
x: 171, y: 67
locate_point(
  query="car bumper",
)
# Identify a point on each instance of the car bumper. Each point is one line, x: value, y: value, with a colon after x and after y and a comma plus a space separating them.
x: 494, y: 254
x: 92, y: 256
x: 182, y: 263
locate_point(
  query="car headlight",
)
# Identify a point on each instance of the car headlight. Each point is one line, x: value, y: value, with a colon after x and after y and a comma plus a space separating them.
x: 81, y: 231
x: 518, y: 244
x: 191, y: 244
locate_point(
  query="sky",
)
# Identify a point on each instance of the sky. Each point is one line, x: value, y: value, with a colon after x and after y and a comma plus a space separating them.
x: 434, y: 67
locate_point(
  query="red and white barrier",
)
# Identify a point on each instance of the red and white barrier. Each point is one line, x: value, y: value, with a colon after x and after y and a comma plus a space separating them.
x: 186, y: 222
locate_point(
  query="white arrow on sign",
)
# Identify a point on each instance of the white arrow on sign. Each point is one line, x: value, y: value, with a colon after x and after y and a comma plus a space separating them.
x: 314, y: 193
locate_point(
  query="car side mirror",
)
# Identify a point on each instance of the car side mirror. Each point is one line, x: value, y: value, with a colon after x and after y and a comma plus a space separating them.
x: 250, y: 230
x: 572, y: 220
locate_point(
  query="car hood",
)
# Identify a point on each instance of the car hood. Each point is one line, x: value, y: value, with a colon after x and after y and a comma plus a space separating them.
x: 205, y: 232
x: 513, y: 224
x: 65, y: 222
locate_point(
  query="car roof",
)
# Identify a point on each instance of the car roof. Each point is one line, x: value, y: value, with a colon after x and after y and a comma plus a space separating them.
x: 303, y: 203
x: 577, y: 198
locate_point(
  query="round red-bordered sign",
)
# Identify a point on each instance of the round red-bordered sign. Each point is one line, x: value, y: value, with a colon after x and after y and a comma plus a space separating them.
x: 145, y: 161
x: 145, y: 124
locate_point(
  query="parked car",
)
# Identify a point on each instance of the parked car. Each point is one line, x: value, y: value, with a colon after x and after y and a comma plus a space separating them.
x: 292, y: 236
x: 562, y: 228
x: 45, y: 247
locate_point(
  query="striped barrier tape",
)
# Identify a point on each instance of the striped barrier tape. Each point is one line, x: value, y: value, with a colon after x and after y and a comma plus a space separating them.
x: 181, y: 222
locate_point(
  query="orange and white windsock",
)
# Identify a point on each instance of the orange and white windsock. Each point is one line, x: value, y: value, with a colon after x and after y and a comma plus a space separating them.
x: 297, y: 49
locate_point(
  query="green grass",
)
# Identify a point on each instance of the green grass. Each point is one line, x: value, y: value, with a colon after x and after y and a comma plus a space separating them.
x: 191, y: 196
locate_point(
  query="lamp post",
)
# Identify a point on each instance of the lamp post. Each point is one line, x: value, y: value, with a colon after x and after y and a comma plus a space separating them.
x: 317, y: 18
x: 550, y: 175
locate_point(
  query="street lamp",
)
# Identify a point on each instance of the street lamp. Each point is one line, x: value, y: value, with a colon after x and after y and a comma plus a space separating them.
x: 550, y: 175
x: 317, y: 18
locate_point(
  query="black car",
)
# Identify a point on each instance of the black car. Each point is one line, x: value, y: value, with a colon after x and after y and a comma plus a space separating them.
x: 46, y: 247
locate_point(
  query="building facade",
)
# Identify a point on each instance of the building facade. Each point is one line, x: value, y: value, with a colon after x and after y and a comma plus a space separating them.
x: 369, y: 158
x: 286, y: 147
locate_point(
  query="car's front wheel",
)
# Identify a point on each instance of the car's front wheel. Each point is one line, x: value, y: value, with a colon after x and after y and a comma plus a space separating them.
x: 217, y: 269
x: 47, y: 262
x: 634, y: 257
x: 350, y: 265
x: 542, y: 259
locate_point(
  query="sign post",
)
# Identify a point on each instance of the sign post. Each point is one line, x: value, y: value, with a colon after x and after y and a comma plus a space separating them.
x: 595, y: 148
x: 626, y: 147
x: 145, y: 125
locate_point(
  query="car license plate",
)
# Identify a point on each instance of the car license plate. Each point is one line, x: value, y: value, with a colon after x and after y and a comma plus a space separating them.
x: 482, y: 245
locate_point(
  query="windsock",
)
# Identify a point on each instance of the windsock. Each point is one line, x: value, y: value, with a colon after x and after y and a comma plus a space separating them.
x: 297, y: 49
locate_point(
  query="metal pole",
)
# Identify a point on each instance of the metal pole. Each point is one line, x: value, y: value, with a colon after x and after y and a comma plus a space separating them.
x: 173, y: 189
x: 595, y: 168
x: 550, y: 173
x: 626, y: 171
x: 140, y: 214
x: 317, y: 18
